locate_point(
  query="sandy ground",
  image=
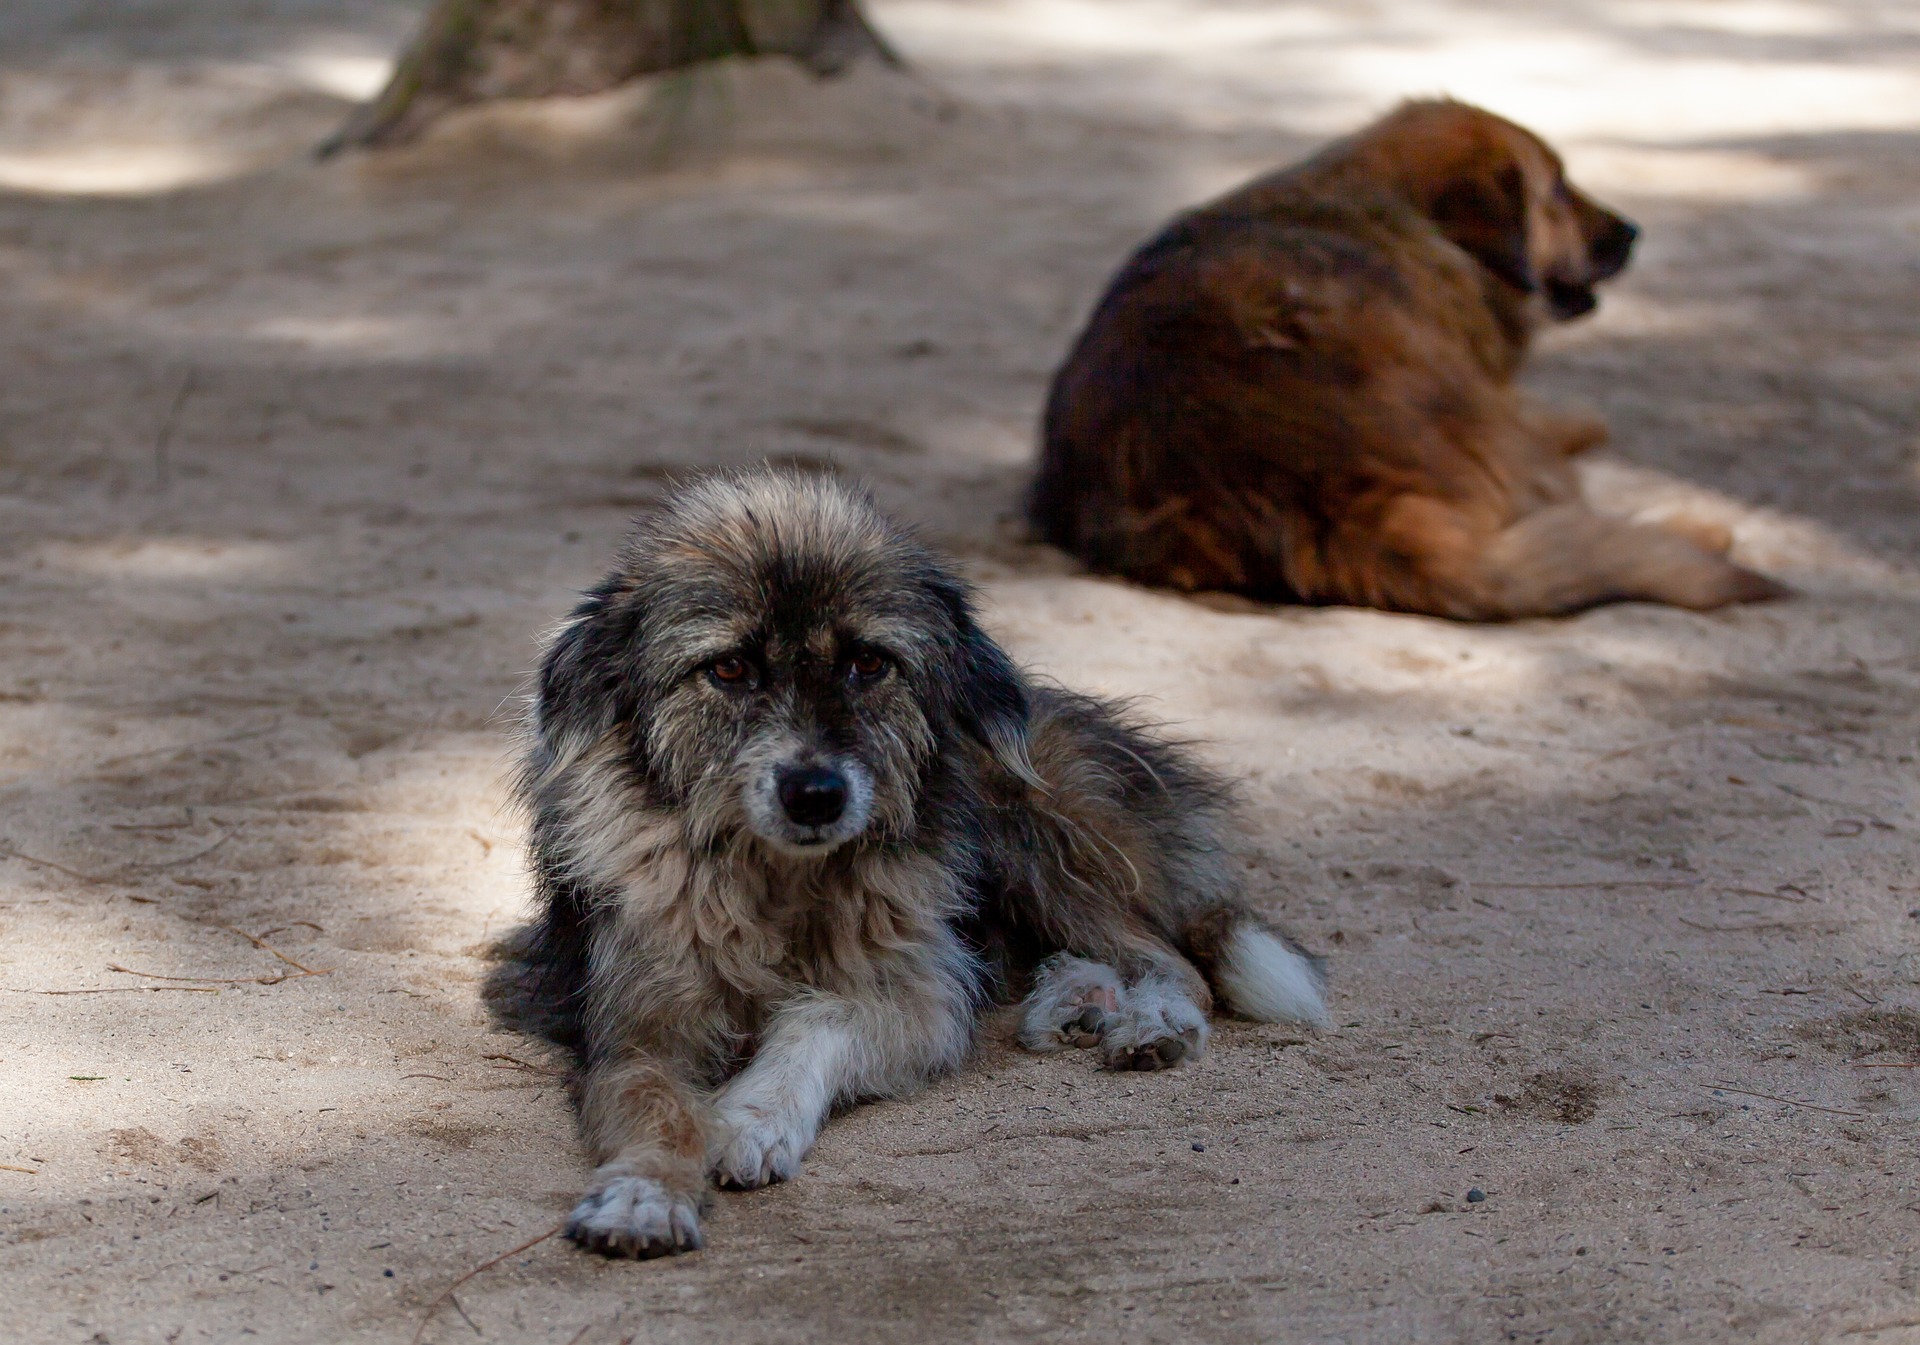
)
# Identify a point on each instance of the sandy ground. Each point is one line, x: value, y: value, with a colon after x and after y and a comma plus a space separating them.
x: 297, y: 462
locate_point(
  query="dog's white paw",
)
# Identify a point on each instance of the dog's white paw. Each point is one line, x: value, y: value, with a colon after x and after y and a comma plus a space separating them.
x: 759, y: 1149
x: 1156, y: 1028
x: 635, y: 1216
x: 1073, y: 1003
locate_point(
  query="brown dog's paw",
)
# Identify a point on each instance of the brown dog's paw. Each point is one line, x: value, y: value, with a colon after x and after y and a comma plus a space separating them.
x: 1752, y: 586
x: 1718, y: 582
x: 1711, y: 537
x: 1728, y: 584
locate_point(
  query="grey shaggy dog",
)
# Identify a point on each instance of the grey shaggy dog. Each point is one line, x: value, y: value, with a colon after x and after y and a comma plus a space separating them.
x: 796, y: 819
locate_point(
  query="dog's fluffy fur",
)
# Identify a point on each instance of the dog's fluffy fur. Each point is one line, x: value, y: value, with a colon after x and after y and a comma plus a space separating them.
x: 1303, y: 392
x: 796, y: 818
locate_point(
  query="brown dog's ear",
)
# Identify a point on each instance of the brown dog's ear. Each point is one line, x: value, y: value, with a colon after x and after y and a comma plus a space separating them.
x: 1486, y: 216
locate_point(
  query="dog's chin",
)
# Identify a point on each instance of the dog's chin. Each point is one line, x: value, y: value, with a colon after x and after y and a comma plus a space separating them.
x: 1568, y: 300
x: 802, y: 843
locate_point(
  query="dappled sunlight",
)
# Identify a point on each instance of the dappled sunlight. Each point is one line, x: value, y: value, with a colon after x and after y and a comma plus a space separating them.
x: 190, y: 972
x: 1571, y: 71
x: 379, y: 337
x: 301, y: 459
x: 1766, y: 18
x: 1627, y: 315
x: 36, y: 734
x: 883, y: 215
x: 174, y: 558
x: 1689, y: 174
x: 106, y: 170
x: 352, y: 76
x: 186, y: 1031
x: 1104, y: 28
x: 1575, y: 86
x: 149, y: 127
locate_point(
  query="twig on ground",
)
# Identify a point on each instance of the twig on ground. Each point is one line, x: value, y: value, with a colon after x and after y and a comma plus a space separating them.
x: 198, y: 980
x: 192, y: 746
x: 35, y: 1172
x: 264, y: 946
x: 448, y: 1292
x: 119, y: 990
x: 1779, y: 895
x: 1903, y: 1324
x: 1661, y: 884
x: 95, y: 879
x: 516, y: 1060
x: 1791, y: 1102
x: 213, y: 980
x: 108, y: 879
x: 187, y: 859
x: 162, y: 441
x: 451, y: 1298
x: 297, y: 924
x: 1873, y: 820
x: 1759, y: 926
x: 1649, y: 746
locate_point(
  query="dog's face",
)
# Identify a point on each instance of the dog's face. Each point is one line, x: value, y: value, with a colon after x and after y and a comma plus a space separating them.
x: 1503, y: 196
x: 783, y: 664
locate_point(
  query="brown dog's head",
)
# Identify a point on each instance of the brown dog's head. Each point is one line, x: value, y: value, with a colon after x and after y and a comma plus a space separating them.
x: 1497, y: 191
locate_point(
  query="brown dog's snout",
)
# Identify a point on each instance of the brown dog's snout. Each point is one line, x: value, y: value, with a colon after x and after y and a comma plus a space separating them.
x: 1611, y: 246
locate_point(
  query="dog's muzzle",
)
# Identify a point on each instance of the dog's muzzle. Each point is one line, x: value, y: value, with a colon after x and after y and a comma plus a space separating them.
x: 810, y: 806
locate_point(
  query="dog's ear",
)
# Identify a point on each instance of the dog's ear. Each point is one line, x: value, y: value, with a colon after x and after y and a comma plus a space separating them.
x: 1484, y: 213
x: 989, y: 699
x: 993, y: 704
x: 585, y: 686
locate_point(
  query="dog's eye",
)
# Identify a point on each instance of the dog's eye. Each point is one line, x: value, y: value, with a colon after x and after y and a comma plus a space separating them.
x: 731, y: 671
x: 867, y: 666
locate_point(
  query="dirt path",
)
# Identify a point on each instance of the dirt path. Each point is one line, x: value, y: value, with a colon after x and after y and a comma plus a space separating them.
x: 295, y: 463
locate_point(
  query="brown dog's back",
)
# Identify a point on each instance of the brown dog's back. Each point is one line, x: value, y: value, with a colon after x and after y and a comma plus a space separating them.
x: 1302, y: 393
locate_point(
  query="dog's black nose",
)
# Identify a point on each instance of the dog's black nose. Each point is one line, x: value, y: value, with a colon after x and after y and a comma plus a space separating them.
x: 1612, y: 248
x: 813, y: 796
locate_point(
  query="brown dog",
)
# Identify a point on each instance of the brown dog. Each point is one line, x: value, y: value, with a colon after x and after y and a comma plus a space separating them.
x: 1303, y: 392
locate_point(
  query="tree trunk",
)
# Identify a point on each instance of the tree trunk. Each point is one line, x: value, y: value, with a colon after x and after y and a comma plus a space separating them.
x: 469, y: 51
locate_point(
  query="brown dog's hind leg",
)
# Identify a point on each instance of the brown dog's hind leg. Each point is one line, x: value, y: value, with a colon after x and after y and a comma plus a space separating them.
x: 1568, y: 558
x: 1703, y: 533
x: 1568, y: 433
x: 650, y: 1137
x: 1560, y: 559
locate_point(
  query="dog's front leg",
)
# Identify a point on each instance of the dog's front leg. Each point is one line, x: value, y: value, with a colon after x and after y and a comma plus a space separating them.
x: 821, y: 1049
x: 649, y: 1135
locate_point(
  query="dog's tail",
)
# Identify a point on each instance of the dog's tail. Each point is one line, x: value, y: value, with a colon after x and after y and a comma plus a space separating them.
x: 1260, y: 972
